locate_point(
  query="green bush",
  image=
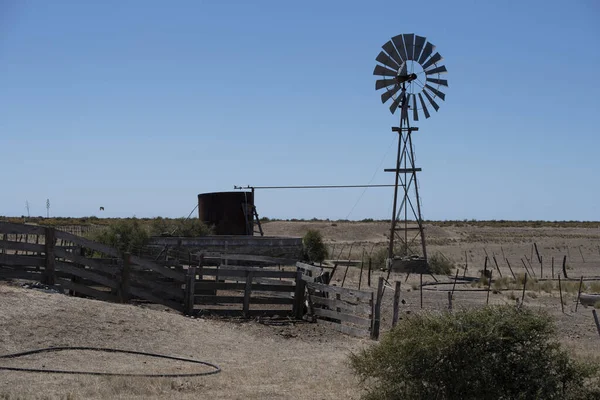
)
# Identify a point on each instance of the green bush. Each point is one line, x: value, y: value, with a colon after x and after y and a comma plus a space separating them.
x: 489, y: 353
x: 186, y: 227
x: 127, y: 235
x: 439, y: 265
x: 314, y: 248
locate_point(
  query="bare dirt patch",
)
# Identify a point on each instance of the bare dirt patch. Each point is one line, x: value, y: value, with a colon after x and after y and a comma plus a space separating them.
x: 299, y: 361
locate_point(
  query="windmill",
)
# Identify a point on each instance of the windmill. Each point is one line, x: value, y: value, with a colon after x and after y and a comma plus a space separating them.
x: 410, y: 68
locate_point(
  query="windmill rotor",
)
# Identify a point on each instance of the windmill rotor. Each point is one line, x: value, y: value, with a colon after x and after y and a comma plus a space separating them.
x: 410, y: 67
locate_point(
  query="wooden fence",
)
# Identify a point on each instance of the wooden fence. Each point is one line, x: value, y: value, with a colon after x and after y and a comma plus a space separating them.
x: 193, y: 285
x: 349, y: 311
x: 84, y: 267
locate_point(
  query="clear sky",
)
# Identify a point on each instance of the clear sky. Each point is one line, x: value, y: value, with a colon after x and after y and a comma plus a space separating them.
x: 138, y: 106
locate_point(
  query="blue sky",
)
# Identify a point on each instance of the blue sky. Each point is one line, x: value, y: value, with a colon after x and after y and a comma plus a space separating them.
x: 138, y: 106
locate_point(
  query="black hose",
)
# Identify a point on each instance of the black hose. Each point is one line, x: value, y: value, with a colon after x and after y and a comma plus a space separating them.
x: 216, y: 368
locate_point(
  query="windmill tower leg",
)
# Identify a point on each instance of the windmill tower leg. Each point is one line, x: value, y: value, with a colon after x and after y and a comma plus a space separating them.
x: 407, y: 247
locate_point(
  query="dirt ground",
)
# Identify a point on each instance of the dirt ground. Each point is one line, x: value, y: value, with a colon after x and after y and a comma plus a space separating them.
x: 268, y: 360
x: 258, y: 361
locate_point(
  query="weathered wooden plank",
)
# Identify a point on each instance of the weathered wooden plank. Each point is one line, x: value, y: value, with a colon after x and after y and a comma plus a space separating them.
x: 224, y: 272
x: 86, y: 290
x: 11, y: 228
x: 346, y: 329
x: 21, y: 246
x: 86, y: 274
x: 173, y: 290
x: 143, y: 294
x: 359, y: 294
x: 205, y: 285
x: 28, y: 274
x: 262, y: 259
x: 232, y: 241
x: 89, y: 262
x: 321, y: 312
x: 307, y: 267
x: 361, y: 308
x: 90, y: 244
x: 169, y: 273
x: 239, y: 312
x: 240, y: 300
x: 11, y: 260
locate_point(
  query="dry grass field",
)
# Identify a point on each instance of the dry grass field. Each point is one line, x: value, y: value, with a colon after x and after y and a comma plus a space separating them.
x: 262, y: 360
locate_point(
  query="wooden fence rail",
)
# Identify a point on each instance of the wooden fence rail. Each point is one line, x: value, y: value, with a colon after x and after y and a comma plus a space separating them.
x: 346, y: 310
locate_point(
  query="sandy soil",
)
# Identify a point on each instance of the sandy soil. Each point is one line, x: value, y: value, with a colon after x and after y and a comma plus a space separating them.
x: 293, y: 361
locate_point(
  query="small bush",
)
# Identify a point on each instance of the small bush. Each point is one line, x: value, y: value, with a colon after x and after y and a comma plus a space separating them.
x: 379, y: 258
x: 127, y: 235
x: 490, y: 353
x: 184, y: 227
x: 594, y: 287
x: 439, y: 265
x: 313, y: 246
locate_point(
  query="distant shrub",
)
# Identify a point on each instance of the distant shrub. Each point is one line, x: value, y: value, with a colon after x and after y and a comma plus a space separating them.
x: 186, y: 227
x: 489, y: 353
x: 313, y: 246
x: 127, y: 235
x: 439, y: 265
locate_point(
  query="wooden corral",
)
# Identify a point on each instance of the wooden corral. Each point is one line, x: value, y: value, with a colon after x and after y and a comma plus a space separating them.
x: 195, y: 283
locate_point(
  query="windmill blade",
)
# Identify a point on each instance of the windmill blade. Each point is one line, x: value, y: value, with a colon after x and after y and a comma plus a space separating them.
x: 403, y: 70
x: 381, y: 83
x: 415, y: 111
x: 439, y: 70
x: 423, y: 106
x: 419, y: 43
x: 441, y: 82
x: 437, y: 57
x: 399, y: 43
x: 436, y: 92
x: 433, y: 103
x: 380, y: 70
x: 389, y: 93
x: 395, y: 104
x: 387, y: 61
x: 391, y: 50
x: 426, y: 52
x: 409, y: 40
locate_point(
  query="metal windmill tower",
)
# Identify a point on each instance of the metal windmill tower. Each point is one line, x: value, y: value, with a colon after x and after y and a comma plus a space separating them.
x: 410, y: 69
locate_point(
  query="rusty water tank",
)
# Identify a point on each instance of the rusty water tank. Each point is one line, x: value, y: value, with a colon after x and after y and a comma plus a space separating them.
x: 230, y: 213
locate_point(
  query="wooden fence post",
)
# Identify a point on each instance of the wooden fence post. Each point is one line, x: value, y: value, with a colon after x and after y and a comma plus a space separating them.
x: 377, y: 310
x: 299, y: 295
x: 487, y: 300
x: 190, y: 283
x: 596, y: 321
x: 247, y: 292
x: 369, y: 275
x: 579, y: 293
x: 524, y: 287
x: 510, y: 268
x: 552, y: 267
x: 396, y: 304
x: 562, y: 306
x: 564, y: 267
x: 124, y: 283
x: 421, y: 287
x: 48, y: 277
